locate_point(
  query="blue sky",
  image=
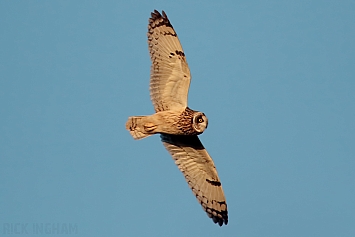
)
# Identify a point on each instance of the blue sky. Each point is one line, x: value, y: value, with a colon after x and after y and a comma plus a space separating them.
x: 275, y: 78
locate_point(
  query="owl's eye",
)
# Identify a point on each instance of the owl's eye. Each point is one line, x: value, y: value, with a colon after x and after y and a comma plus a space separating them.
x: 200, y: 120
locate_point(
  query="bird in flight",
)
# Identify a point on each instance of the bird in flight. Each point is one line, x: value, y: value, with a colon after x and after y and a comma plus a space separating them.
x: 177, y: 124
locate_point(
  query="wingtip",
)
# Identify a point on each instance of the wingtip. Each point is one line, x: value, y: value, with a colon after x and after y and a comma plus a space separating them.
x: 220, y: 221
x: 156, y: 15
x: 219, y: 218
x: 164, y: 14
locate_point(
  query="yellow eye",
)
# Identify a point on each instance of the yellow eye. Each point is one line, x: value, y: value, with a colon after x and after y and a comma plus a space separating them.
x: 200, y: 120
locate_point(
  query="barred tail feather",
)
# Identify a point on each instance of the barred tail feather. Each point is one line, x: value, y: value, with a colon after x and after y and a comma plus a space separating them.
x: 135, y: 126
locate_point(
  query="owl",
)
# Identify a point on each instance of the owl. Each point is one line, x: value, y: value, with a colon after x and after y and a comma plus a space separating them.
x: 177, y: 124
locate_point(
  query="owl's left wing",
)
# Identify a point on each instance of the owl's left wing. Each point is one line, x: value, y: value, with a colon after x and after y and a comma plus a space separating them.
x: 200, y: 173
x: 170, y: 74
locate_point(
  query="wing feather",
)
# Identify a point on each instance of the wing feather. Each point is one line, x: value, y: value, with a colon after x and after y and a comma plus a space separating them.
x: 170, y: 75
x: 200, y: 173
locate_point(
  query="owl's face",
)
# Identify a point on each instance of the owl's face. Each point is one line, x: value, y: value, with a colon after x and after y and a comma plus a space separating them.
x: 199, y: 122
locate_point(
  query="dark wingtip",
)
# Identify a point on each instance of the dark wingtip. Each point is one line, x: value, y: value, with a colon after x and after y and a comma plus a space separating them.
x: 156, y: 15
x: 220, y: 219
x: 164, y: 14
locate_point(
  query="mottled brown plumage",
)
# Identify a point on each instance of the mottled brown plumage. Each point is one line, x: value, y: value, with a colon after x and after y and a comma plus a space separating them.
x: 178, y: 124
x: 188, y: 122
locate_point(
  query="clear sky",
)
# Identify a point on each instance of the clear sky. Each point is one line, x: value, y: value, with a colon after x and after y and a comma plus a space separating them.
x: 275, y: 78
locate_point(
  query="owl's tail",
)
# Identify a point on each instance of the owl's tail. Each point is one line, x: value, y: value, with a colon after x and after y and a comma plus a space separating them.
x: 139, y: 128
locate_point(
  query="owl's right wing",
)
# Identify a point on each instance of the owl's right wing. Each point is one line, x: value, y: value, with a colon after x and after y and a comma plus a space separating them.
x: 170, y: 74
x: 200, y: 173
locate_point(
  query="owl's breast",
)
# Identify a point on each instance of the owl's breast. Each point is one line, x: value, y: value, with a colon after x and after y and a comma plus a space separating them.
x: 185, y: 122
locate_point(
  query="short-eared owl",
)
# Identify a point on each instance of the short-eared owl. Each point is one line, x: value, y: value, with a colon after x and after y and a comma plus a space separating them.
x: 177, y: 124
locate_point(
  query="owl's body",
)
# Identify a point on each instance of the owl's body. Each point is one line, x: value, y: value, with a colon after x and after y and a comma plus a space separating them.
x: 174, y: 122
x: 177, y: 124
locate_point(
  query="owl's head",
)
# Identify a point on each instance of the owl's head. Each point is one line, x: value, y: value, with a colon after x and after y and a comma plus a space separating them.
x: 199, y: 122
